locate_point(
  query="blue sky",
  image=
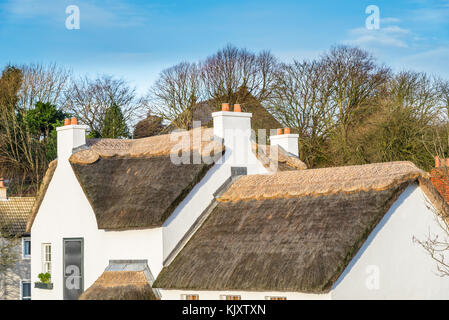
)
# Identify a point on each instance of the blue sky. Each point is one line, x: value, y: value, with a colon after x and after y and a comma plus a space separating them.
x: 137, y: 39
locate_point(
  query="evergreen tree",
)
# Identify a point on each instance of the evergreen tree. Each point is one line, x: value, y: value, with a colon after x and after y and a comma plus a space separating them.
x: 114, y: 124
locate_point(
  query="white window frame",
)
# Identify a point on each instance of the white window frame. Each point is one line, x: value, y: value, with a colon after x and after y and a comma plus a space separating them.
x: 21, y: 289
x: 44, y: 258
x: 184, y: 296
x: 26, y: 256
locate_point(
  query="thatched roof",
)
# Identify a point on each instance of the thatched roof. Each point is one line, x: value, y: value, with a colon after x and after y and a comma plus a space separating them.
x: 41, y: 193
x: 122, y: 281
x: 133, y: 184
x: 14, y: 214
x: 291, y: 231
x: 377, y: 176
x: 277, y: 158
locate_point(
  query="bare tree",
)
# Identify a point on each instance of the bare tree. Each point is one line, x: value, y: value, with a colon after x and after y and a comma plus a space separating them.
x: 417, y: 92
x: 175, y: 94
x: 231, y: 69
x: 443, y: 96
x: 301, y: 100
x: 89, y: 99
x: 45, y: 83
x: 355, y: 79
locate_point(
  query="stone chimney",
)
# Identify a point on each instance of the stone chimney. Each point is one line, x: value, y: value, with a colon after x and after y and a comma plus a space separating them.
x: 3, y: 190
x: 70, y: 136
x: 288, y: 141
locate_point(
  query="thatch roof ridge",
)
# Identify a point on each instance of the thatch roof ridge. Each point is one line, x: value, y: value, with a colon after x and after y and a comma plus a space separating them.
x: 41, y: 193
x: 145, y: 147
x: 285, y: 160
x: 315, y: 182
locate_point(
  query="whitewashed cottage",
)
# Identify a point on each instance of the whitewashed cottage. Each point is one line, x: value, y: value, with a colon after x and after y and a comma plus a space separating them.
x: 124, y: 219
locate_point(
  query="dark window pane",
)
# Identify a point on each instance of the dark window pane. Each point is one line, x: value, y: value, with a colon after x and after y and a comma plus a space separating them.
x: 27, y: 247
x: 26, y: 290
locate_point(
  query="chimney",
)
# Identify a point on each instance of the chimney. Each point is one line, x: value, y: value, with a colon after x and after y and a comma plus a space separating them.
x: 437, y: 162
x: 3, y: 190
x: 234, y: 127
x: 70, y: 136
x: 288, y: 141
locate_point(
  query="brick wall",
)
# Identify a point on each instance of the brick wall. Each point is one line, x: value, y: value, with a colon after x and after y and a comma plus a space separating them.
x: 440, y: 179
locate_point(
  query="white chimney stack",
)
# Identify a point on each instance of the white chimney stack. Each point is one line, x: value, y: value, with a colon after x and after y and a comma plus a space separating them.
x: 70, y: 136
x: 3, y: 190
x: 234, y: 127
x: 288, y: 141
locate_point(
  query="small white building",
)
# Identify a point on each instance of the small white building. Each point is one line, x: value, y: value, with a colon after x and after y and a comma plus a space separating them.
x: 220, y: 217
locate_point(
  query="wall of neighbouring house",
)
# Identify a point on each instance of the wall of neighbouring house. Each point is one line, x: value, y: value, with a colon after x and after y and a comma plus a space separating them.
x: 10, y: 284
x: 390, y: 265
x: 66, y: 213
x: 439, y: 178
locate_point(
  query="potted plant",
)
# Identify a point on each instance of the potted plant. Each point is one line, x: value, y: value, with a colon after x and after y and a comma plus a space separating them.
x: 45, y: 281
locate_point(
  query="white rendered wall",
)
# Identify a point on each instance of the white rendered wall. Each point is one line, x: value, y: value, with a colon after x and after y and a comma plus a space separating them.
x: 390, y: 265
x: 66, y: 213
x: 288, y: 142
x: 245, y: 295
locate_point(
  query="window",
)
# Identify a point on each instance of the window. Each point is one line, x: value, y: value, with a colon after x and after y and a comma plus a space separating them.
x: 231, y: 297
x: 190, y: 297
x: 25, y: 289
x: 26, y: 248
x: 46, y: 258
x: 276, y: 298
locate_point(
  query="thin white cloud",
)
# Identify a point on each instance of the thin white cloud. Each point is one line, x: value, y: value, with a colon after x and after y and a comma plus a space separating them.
x: 113, y: 13
x: 389, y: 20
x: 431, y: 61
x: 437, y: 13
x: 391, y: 36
